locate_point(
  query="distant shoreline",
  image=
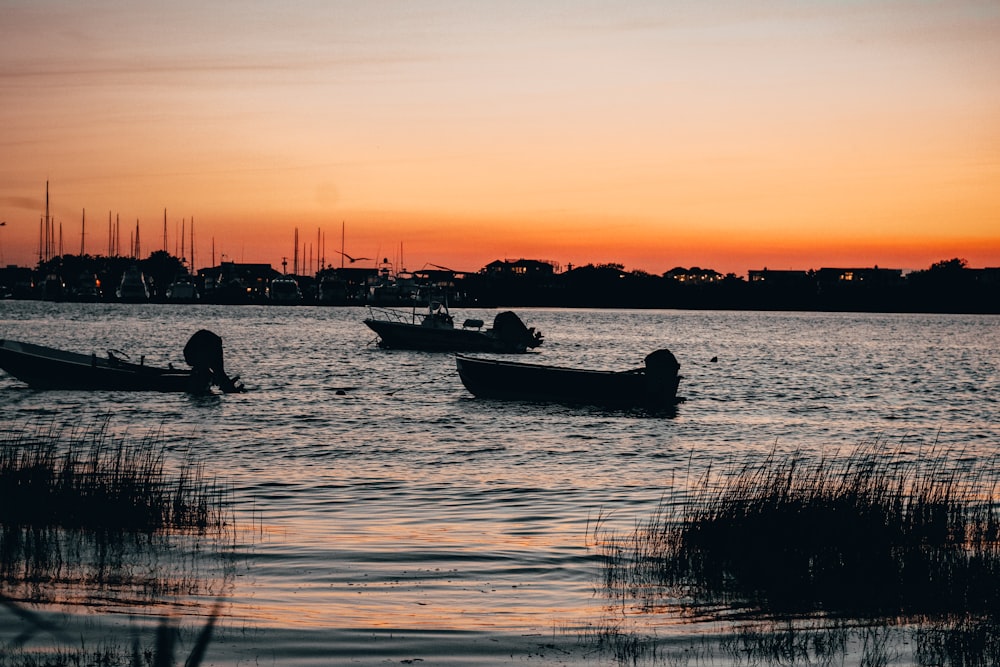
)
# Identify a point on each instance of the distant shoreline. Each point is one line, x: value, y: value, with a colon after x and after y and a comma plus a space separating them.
x: 948, y: 286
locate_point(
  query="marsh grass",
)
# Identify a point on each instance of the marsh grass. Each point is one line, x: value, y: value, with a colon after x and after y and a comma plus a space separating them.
x: 877, y: 532
x: 83, y: 513
x: 88, y: 516
x: 121, y: 570
x: 161, y: 652
x: 89, y: 479
x: 879, y: 548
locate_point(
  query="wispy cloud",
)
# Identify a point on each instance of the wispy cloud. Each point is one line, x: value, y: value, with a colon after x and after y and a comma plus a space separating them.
x: 19, y: 202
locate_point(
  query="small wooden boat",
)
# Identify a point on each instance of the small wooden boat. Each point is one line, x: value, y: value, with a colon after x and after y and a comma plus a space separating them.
x: 44, y: 367
x: 436, y: 331
x: 653, y: 386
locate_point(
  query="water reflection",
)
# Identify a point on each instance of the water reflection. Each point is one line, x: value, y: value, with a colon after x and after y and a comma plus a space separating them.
x: 950, y: 640
x: 470, y: 515
x: 110, y: 570
x: 90, y: 519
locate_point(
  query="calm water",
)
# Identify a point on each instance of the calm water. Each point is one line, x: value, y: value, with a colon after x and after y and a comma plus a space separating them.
x: 402, y: 519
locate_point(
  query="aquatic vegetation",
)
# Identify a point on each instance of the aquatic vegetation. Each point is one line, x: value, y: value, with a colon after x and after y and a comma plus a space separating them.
x: 880, y: 537
x: 52, y: 476
x: 82, y: 511
x: 964, y: 639
x: 875, y: 532
x: 66, y: 651
x: 86, y: 516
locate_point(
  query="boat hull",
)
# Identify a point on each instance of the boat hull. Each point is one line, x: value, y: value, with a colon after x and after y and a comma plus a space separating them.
x: 43, y: 367
x: 507, y: 380
x: 403, y: 336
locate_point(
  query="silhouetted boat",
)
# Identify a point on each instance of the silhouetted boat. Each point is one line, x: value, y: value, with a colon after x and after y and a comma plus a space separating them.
x: 44, y: 367
x: 436, y: 331
x: 390, y: 288
x: 182, y: 289
x: 653, y: 386
x: 87, y: 288
x: 53, y: 288
x: 132, y: 288
x: 284, y: 290
x: 332, y: 290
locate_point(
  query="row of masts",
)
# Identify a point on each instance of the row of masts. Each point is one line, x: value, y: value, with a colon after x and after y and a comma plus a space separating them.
x: 320, y: 257
x: 50, y: 237
x: 50, y: 241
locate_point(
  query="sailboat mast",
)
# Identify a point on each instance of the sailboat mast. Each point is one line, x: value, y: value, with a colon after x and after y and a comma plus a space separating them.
x: 48, y: 228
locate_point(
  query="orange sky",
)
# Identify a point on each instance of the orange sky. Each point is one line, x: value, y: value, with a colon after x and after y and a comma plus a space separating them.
x: 654, y: 134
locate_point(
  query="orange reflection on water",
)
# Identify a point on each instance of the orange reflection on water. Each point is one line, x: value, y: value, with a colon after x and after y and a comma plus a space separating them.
x: 385, y: 574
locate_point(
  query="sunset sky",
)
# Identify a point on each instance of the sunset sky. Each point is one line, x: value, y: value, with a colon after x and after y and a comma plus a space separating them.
x: 728, y: 135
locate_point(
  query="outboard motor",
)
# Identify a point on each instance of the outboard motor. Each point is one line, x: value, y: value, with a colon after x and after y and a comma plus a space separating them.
x: 662, y: 376
x: 508, y: 327
x: 203, y: 353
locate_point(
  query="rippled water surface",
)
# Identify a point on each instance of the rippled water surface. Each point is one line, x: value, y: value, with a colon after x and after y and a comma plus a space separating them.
x: 391, y: 516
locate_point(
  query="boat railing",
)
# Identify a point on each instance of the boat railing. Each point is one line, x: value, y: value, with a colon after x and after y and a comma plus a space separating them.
x: 391, y: 315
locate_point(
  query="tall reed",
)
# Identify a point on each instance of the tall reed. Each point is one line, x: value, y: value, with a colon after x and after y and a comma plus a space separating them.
x: 90, y: 479
x: 878, y: 532
x: 80, y: 507
x: 74, y: 652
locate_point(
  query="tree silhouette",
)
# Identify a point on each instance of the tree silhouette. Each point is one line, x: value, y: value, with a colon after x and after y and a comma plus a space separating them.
x: 161, y: 267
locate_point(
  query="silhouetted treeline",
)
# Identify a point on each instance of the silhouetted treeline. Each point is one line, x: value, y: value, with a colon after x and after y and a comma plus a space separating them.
x: 948, y: 286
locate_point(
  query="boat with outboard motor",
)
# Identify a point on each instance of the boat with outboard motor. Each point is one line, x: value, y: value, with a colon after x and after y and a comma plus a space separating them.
x: 652, y: 386
x: 43, y: 367
x: 435, y: 331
